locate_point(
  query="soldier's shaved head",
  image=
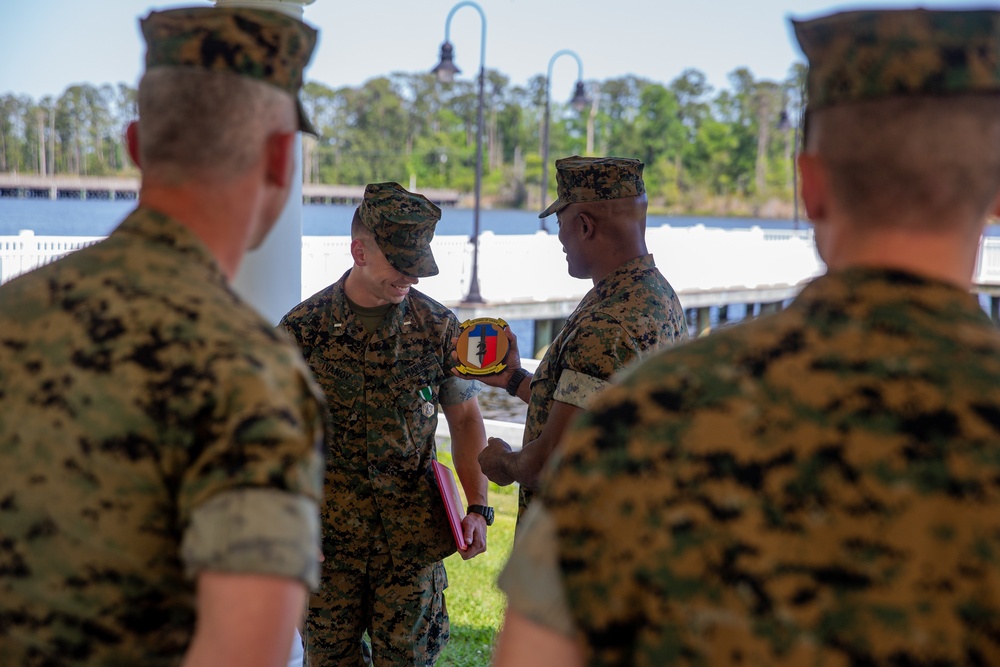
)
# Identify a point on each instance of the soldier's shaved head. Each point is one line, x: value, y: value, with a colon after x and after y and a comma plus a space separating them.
x: 936, y: 157
x: 194, y: 122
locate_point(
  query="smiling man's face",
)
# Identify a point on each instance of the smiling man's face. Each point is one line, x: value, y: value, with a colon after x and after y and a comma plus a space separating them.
x: 378, y: 282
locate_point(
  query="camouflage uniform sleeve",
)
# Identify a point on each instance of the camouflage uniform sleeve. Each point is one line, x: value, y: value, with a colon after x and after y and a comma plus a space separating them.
x: 249, y: 501
x: 578, y: 389
x: 531, y: 577
x: 255, y: 530
x: 595, y: 351
x: 293, y: 328
x: 608, y: 532
x: 455, y: 390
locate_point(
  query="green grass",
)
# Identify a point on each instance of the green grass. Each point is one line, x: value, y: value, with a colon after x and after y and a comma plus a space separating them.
x: 475, y: 604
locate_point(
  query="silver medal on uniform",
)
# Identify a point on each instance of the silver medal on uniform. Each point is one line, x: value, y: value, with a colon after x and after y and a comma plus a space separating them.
x: 428, y: 407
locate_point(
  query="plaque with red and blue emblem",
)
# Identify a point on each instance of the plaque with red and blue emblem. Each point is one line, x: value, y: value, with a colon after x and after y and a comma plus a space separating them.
x: 482, y: 346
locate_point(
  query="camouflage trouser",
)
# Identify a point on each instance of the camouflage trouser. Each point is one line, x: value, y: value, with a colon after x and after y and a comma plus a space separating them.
x: 402, y: 610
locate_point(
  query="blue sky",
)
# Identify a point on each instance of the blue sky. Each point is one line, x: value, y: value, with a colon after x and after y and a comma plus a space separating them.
x: 47, y: 45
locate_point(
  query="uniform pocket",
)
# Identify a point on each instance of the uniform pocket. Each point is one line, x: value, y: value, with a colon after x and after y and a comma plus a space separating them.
x: 415, y: 391
x: 343, y: 388
x: 440, y: 578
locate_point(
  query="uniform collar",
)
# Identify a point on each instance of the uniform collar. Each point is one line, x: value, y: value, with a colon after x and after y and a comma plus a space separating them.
x: 343, y: 320
x: 166, y: 232
x: 625, y: 275
x: 863, y: 291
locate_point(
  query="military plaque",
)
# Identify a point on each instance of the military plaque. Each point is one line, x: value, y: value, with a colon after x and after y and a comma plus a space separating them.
x: 482, y: 346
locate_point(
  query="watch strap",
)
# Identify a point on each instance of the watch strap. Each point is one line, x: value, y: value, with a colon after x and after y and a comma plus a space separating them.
x: 484, y: 510
x: 515, y: 380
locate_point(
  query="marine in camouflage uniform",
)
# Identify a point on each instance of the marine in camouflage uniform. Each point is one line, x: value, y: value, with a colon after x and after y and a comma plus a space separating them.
x: 631, y: 312
x: 153, y: 427
x: 817, y: 487
x: 384, y: 367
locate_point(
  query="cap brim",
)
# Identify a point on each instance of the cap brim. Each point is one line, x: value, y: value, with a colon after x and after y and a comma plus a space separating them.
x: 304, y: 124
x: 554, y: 207
x: 425, y: 267
x: 421, y: 270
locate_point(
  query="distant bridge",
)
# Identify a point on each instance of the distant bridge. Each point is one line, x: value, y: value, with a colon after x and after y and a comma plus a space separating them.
x: 114, y: 188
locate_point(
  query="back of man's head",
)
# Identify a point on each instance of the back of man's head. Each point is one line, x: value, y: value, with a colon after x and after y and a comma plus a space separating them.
x: 904, y: 111
x: 924, y: 162
x: 218, y: 82
x: 195, y: 124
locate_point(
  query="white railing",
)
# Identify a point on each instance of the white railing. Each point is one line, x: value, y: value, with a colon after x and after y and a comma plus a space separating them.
x: 24, y: 252
x: 988, y: 263
x: 517, y: 269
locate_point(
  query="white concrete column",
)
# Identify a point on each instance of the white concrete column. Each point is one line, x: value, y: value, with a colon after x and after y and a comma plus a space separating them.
x: 270, y: 277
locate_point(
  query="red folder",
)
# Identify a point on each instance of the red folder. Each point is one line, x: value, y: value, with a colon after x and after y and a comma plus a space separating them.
x: 452, y: 502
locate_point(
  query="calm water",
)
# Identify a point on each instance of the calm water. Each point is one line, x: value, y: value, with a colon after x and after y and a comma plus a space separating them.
x: 70, y: 217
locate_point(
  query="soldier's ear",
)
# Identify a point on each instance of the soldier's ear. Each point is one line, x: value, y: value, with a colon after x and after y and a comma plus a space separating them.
x: 132, y: 141
x: 358, y: 252
x: 280, y: 158
x: 813, y: 185
x: 587, y: 227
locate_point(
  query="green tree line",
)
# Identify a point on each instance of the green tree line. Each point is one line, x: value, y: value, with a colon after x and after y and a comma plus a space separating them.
x: 706, y: 151
x: 81, y: 132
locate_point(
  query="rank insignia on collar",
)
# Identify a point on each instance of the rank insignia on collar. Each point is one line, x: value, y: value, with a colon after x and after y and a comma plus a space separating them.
x: 482, y: 346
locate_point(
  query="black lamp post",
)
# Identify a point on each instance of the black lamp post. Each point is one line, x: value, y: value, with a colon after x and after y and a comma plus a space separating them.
x: 578, y: 102
x: 446, y: 71
x: 784, y: 124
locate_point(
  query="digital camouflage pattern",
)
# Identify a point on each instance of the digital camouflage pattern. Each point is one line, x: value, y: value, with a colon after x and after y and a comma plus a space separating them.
x: 259, y: 44
x: 380, y: 485
x: 139, y: 396
x: 627, y: 316
x: 816, y: 487
x: 583, y: 179
x: 403, y: 225
x: 410, y: 624
x: 865, y: 55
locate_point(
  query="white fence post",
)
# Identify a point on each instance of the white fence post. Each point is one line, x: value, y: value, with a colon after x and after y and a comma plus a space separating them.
x: 24, y: 252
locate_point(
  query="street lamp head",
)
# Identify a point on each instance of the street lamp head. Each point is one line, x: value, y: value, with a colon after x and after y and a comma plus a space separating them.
x: 784, y: 123
x: 445, y: 69
x: 580, y: 100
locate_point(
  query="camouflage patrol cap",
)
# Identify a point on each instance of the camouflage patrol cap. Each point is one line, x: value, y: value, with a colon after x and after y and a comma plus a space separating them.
x: 264, y: 45
x: 864, y: 55
x: 403, y: 225
x: 582, y: 179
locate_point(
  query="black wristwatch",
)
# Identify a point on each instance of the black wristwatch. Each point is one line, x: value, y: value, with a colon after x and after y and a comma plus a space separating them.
x: 515, y: 380
x: 485, y: 510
